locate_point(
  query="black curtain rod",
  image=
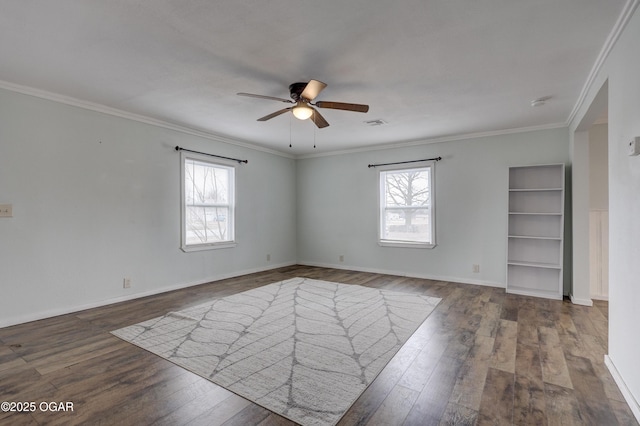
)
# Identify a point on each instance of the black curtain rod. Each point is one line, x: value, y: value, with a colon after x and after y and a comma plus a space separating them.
x: 211, y: 155
x: 405, y: 162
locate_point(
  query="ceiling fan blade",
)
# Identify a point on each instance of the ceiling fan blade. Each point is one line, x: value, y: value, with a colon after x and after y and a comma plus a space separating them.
x: 318, y: 119
x: 271, y: 98
x: 312, y: 89
x: 274, y: 114
x: 343, y: 106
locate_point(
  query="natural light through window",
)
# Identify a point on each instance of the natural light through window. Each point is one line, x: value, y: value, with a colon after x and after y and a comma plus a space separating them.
x: 207, y: 204
x: 406, y: 207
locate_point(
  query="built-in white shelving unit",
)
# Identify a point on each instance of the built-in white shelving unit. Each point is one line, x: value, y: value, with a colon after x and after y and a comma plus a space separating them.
x: 536, y: 229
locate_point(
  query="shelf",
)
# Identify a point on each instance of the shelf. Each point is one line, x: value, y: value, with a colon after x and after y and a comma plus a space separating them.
x: 533, y: 281
x: 535, y: 201
x: 538, y: 213
x: 534, y: 293
x: 535, y: 231
x: 534, y: 237
x: 533, y: 264
x: 528, y: 225
x: 532, y: 177
x: 542, y: 252
x: 534, y: 189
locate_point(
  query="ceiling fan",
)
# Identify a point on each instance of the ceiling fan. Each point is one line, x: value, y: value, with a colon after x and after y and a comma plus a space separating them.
x: 303, y: 94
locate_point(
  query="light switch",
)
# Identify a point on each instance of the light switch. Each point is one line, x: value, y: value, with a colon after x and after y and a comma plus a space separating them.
x: 6, y: 210
x: 634, y: 146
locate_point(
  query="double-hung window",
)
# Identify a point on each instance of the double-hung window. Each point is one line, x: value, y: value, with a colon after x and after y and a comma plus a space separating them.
x: 406, y: 215
x: 208, y: 195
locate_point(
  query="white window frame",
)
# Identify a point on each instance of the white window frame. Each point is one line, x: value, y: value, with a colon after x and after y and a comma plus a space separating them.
x: 427, y: 165
x: 231, y: 166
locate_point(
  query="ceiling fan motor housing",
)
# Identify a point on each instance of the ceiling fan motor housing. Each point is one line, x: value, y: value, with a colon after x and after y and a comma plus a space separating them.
x: 296, y: 89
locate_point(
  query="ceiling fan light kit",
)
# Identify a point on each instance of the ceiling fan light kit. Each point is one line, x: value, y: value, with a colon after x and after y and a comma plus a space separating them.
x: 303, y: 94
x: 302, y: 111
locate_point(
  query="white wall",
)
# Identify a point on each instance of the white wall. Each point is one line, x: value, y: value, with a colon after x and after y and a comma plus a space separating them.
x: 598, y: 167
x: 337, y: 206
x: 624, y: 208
x: 96, y: 198
x: 622, y: 70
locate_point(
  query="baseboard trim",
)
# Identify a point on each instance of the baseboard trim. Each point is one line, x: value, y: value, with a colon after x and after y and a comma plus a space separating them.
x: 626, y: 393
x: 402, y: 274
x: 583, y: 302
x: 70, y: 310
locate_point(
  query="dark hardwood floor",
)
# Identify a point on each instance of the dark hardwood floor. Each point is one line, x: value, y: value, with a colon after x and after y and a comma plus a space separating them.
x: 483, y: 357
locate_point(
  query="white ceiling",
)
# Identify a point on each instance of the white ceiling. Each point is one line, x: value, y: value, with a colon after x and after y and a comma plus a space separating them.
x: 429, y: 68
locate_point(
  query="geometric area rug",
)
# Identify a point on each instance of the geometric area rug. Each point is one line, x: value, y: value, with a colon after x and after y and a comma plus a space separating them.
x: 303, y: 348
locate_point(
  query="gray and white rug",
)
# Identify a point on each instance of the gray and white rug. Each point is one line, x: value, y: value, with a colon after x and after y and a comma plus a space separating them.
x: 303, y: 348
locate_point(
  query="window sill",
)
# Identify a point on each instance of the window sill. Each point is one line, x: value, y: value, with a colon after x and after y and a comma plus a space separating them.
x: 405, y: 244
x: 202, y: 247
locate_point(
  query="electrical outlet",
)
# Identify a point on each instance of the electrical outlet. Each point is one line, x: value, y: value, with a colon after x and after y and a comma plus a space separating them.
x: 6, y: 210
x: 268, y: 258
x: 342, y: 258
x: 126, y: 283
x: 476, y: 268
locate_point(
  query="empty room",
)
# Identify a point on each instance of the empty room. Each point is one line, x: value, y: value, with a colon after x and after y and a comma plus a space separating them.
x: 320, y: 213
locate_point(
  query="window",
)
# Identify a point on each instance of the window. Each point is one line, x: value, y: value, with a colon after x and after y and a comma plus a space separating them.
x: 406, y: 207
x: 207, y: 203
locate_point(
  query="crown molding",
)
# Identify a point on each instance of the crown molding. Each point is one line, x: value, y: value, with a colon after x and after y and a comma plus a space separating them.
x: 614, y: 35
x: 67, y: 100
x: 78, y: 103
x: 451, y: 138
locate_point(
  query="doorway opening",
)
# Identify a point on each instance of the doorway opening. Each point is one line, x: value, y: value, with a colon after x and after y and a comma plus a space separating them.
x: 590, y: 205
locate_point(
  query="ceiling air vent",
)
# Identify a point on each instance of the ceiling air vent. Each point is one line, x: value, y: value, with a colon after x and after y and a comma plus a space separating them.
x: 377, y: 122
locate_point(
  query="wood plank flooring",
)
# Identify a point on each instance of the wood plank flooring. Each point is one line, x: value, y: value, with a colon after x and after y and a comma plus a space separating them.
x: 483, y: 357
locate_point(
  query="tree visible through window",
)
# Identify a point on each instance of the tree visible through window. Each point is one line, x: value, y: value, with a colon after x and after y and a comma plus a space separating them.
x: 208, y: 201
x: 406, y: 207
